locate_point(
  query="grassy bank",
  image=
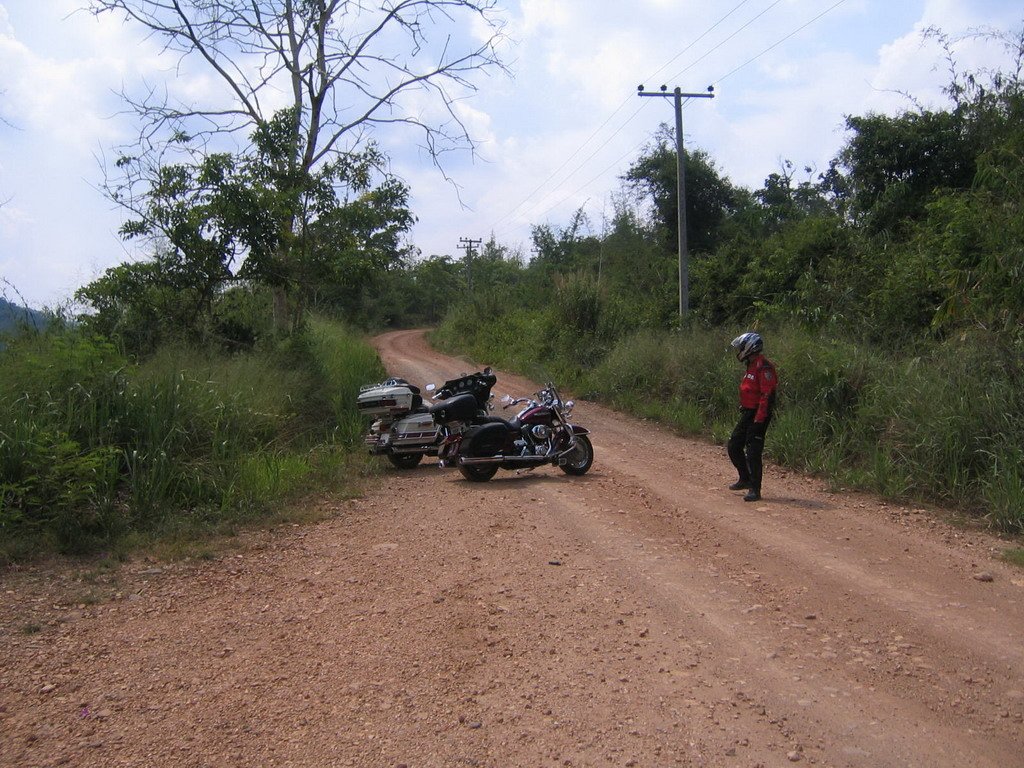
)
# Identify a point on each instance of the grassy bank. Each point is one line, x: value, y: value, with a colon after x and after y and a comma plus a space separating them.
x: 944, y: 425
x: 97, y: 452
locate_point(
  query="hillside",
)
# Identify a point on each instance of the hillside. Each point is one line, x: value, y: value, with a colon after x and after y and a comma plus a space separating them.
x: 12, y: 316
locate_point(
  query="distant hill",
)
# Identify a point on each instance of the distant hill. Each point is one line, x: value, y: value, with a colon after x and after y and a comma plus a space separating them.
x: 13, y: 317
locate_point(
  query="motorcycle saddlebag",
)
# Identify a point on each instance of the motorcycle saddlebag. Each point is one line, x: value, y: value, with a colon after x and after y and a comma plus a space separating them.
x: 485, y: 440
x: 389, y: 397
x: 414, y: 430
x: 459, y: 408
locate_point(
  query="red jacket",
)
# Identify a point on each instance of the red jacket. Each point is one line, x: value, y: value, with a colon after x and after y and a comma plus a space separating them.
x: 757, y: 389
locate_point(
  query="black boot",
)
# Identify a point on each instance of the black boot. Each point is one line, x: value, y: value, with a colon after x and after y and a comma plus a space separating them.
x: 754, y: 494
x: 740, y: 485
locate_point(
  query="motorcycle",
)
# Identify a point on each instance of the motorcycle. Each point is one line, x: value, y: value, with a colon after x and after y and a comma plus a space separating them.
x: 541, y: 433
x: 403, y: 429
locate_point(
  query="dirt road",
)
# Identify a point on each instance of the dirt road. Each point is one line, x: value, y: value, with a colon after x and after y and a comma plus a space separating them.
x: 641, y: 615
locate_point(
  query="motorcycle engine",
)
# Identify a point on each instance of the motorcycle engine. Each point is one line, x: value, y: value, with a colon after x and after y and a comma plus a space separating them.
x: 540, y: 432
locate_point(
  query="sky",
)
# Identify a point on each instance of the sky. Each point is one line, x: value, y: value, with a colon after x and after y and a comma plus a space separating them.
x: 552, y: 136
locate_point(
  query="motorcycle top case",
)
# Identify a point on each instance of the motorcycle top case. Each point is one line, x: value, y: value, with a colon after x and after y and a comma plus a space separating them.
x: 458, y: 408
x: 389, y: 397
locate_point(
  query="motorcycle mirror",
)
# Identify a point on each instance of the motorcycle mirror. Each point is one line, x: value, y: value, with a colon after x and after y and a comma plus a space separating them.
x: 430, y: 387
x: 570, y: 403
x: 506, y: 399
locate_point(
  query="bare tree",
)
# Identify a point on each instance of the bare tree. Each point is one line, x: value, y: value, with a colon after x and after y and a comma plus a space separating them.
x: 343, y: 67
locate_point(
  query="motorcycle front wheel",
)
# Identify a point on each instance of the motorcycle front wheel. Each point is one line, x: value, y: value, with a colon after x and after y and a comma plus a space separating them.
x: 405, y: 460
x: 579, y: 460
x: 478, y: 473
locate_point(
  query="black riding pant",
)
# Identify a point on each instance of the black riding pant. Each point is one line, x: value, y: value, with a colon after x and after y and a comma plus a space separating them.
x: 746, y: 444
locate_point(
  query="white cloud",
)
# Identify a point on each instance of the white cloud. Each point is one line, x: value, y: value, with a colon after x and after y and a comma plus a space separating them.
x: 543, y: 15
x: 14, y: 220
x: 572, y: 103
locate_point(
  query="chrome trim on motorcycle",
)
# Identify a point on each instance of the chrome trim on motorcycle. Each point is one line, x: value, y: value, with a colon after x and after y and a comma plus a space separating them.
x: 470, y: 460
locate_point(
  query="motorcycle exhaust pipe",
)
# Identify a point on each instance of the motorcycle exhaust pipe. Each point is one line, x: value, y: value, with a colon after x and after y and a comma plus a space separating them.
x: 471, y: 460
x: 481, y: 459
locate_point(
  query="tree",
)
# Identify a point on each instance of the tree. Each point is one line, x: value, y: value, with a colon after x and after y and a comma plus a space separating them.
x: 709, y: 195
x: 144, y: 304
x: 895, y: 164
x: 782, y: 201
x: 211, y: 212
x: 438, y: 282
x: 347, y: 66
x: 555, y: 248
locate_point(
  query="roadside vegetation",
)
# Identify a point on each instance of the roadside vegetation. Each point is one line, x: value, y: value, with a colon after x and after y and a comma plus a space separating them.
x: 941, y: 426
x: 102, y: 453
x: 888, y: 288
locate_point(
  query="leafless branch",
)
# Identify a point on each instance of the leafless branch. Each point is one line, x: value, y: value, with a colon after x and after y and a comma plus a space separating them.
x: 346, y: 65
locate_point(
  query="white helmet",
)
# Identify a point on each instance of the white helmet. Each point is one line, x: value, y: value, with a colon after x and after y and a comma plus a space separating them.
x: 747, y: 345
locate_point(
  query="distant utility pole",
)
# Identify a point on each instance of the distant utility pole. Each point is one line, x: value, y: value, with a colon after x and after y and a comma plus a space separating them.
x: 467, y: 244
x: 684, y: 277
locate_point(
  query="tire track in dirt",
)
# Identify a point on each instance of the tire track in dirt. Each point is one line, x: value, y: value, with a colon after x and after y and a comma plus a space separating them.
x: 860, y: 623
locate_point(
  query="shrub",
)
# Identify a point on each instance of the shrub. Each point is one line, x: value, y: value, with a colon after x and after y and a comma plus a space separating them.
x: 93, y: 448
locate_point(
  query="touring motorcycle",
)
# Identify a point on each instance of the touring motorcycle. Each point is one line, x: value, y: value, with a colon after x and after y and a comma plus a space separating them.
x: 541, y: 433
x: 402, y: 427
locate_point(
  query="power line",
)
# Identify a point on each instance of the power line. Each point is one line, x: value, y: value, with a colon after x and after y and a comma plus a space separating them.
x: 579, y: 149
x: 578, y: 168
x: 627, y: 153
x: 619, y: 109
x: 781, y: 41
x: 633, y: 116
x: 707, y: 53
x: 663, y: 66
x: 706, y: 32
x: 631, y: 151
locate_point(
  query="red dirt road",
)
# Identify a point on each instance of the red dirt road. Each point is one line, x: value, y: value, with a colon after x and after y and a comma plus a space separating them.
x: 641, y: 615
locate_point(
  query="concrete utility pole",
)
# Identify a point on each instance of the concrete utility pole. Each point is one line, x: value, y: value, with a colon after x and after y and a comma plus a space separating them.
x: 684, y: 277
x: 466, y: 244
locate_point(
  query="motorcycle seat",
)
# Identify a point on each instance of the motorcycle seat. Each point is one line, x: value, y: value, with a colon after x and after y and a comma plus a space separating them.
x: 513, y: 426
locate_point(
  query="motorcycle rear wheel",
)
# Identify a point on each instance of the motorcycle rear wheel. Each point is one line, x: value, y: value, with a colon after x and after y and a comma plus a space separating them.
x: 405, y: 460
x: 580, y: 460
x: 478, y: 473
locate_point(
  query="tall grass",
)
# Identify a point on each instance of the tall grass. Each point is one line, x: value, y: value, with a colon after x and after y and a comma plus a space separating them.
x: 94, y: 448
x: 344, y: 363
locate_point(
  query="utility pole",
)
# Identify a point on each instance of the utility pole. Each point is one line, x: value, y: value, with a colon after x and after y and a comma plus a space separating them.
x: 466, y: 244
x: 684, y: 277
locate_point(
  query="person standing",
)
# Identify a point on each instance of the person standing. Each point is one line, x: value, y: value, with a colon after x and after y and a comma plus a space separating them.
x: 757, y: 402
